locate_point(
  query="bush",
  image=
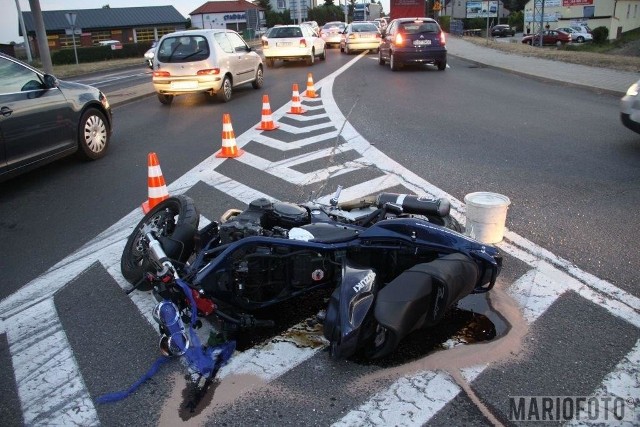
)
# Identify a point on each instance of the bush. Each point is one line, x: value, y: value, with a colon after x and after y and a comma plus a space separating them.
x: 600, y: 35
x: 99, y: 53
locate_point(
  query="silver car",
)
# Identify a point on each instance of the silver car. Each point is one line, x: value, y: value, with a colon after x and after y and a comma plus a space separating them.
x: 204, y: 61
x: 630, y: 108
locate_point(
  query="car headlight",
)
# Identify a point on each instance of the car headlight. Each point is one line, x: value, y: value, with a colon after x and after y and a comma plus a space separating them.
x: 633, y: 89
x: 104, y: 101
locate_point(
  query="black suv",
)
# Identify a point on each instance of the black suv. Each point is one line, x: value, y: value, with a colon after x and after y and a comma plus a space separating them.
x: 502, y: 30
x: 413, y: 41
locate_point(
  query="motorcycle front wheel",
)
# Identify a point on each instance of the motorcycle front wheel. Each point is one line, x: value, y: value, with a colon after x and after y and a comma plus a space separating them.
x: 448, y: 222
x: 175, y: 213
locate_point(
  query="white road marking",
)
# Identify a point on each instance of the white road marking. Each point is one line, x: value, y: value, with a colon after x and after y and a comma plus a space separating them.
x: 30, y: 313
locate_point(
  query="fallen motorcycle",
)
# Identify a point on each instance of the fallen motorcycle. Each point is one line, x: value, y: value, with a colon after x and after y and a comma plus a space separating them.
x: 395, y: 264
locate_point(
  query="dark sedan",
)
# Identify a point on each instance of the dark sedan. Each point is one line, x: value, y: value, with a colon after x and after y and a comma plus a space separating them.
x: 413, y: 41
x: 502, y: 30
x: 549, y: 37
x: 43, y: 119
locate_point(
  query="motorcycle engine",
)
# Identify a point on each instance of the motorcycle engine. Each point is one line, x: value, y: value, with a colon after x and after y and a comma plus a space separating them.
x: 263, y: 218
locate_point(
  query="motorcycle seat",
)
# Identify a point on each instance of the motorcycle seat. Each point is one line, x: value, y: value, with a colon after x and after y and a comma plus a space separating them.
x: 330, y: 233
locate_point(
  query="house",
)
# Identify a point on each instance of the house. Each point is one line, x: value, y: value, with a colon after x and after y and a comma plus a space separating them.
x: 126, y: 24
x: 237, y: 15
x: 619, y: 16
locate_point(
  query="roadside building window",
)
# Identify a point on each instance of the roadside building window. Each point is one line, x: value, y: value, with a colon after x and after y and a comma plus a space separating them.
x: 282, y: 4
x: 588, y: 11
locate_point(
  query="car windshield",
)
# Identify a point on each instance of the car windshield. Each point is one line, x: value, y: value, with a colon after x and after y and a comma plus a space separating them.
x: 419, y: 27
x: 183, y: 49
x: 285, y: 32
x: 364, y: 28
x: 339, y: 26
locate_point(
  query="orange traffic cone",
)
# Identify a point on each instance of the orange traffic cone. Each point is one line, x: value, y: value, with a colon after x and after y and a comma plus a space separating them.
x: 311, y: 90
x: 157, y: 188
x: 267, y: 122
x: 296, y: 105
x: 229, y: 147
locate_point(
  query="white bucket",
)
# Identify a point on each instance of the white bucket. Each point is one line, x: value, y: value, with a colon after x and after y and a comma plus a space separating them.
x: 486, y: 216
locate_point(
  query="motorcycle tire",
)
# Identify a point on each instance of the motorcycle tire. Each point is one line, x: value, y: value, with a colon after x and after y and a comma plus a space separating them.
x: 165, y: 217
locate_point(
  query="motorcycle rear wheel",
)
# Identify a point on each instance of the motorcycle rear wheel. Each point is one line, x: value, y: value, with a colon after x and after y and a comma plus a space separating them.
x: 164, y: 218
x: 448, y: 222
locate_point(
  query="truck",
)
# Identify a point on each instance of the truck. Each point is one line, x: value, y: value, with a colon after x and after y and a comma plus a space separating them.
x: 406, y: 8
x: 366, y: 11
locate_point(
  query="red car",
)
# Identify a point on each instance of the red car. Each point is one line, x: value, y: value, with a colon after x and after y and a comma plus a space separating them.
x: 549, y: 37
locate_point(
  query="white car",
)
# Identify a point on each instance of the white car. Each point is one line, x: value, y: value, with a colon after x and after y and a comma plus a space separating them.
x: 577, y: 36
x: 630, y: 108
x: 212, y: 61
x: 292, y: 43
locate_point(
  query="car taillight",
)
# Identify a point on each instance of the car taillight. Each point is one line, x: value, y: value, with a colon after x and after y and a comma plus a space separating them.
x: 352, y: 36
x: 398, y: 40
x: 303, y: 43
x: 265, y: 44
x: 209, y: 72
x: 443, y: 39
x: 161, y: 74
x: 378, y: 36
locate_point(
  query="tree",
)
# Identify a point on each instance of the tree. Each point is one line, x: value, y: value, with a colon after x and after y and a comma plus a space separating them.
x: 106, y: 6
x: 265, y: 4
x: 328, y: 2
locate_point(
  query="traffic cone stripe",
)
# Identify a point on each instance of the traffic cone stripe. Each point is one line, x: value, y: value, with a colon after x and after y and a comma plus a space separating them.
x: 311, y: 90
x: 296, y: 105
x: 229, y: 146
x: 266, y: 122
x: 157, y: 189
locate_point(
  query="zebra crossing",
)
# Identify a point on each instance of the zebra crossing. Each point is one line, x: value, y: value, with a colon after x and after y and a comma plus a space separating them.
x: 321, y: 147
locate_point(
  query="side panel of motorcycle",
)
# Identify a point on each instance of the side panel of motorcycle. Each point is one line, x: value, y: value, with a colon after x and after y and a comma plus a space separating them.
x: 347, y: 310
x: 420, y: 296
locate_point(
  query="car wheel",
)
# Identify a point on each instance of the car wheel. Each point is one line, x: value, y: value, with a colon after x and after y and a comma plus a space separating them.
x: 270, y: 62
x: 311, y: 59
x: 93, y: 135
x: 165, y: 99
x: 558, y: 43
x: 224, y: 94
x: 529, y: 42
x: 341, y: 49
x: 323, y: 56
x: 442, y: 65
x: 393, y: 63
x: 346, y: 49
x: 580, y: 39
x: 381, y: 60
x: 259, y: 80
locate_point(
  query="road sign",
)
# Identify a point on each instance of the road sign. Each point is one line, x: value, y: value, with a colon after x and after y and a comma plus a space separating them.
x: 71, y: 18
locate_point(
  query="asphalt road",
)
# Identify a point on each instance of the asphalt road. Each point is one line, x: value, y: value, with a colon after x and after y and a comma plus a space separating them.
x: 565, y: 308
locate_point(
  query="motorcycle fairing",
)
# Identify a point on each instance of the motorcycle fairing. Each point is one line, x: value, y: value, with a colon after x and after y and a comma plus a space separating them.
x: 348, y: 307
x: 421, y: 295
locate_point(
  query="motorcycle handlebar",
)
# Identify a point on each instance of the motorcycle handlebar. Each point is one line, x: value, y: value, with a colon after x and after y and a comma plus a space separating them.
x: 408, y: 202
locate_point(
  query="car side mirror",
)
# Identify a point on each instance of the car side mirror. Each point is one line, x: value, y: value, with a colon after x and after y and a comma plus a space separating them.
x: 50, y: 81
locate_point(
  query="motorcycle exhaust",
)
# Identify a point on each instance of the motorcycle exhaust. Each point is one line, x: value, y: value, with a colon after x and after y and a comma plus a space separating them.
x: 412, y: 204
x: 174, y: 340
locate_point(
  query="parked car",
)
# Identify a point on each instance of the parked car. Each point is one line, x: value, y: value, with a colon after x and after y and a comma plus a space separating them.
x: 502, y: 30
x: 331, y: 32
x: 577, y: 36
x: 630, y: 108
x: 43, y: 119
x: 114, y: 44
x: 582, y: 28
x: 549, y: 37
x: 360, y: 36
x: 413, y: 41
x: 292, y: 43
x: 212, y: 61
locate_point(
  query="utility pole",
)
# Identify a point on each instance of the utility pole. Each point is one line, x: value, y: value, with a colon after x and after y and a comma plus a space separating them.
x: 25, y: 36
x: 41, y: 35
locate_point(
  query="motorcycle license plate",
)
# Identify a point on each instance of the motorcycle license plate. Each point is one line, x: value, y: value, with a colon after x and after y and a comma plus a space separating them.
x: 187, y: 84
x: 421, y: 42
